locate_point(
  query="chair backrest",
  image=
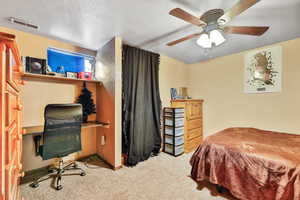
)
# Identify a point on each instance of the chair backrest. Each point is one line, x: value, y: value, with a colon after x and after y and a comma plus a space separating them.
x: 62, y: 130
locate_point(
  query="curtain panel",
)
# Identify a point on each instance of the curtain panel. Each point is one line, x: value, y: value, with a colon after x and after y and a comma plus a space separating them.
x: 141, y: 104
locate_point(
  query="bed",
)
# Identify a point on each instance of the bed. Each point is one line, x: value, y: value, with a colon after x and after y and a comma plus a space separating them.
x: 252, y: 164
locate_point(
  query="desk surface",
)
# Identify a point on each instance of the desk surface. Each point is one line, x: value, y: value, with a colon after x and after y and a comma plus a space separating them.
x: 39, y: 129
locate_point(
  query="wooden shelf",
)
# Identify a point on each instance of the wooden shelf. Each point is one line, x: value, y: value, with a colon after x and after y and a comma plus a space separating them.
x: 49, y: 78
x: 39, y: 129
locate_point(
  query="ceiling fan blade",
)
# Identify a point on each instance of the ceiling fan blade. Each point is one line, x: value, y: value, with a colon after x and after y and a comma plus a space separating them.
x: 246, y: 30
x: 181, y: 14
x: 183, y: 39
x: 236, y: 10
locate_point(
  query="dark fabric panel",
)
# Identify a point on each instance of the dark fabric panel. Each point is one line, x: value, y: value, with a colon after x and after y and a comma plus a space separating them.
x: 141, y: 104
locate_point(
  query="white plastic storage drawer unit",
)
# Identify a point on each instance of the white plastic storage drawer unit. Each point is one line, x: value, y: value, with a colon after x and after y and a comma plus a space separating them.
x: 173, y: 131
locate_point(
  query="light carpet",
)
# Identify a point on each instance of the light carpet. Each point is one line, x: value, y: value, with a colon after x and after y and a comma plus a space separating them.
x: 162, y: 177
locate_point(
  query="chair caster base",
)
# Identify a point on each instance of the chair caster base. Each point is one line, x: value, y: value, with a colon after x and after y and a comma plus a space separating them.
x: 59, y: 187
x: 82, y: 174
x: 34, y: 185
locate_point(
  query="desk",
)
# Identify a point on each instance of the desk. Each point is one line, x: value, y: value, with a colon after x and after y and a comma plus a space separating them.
x: 40, y: 129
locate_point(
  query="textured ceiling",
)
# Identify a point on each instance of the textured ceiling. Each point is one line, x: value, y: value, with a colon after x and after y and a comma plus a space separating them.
x: 147, y: 24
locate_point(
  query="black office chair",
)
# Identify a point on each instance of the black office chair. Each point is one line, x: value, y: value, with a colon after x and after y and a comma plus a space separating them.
x: 61, y: 137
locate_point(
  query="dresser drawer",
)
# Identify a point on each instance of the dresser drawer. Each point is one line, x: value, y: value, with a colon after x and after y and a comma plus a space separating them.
x: 193, y: 124
x: 194, y: 133
x: 192, y: 145
x: 11, y: 111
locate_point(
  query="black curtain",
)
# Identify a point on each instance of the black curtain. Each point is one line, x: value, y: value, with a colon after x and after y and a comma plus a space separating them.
x: 141, y: 104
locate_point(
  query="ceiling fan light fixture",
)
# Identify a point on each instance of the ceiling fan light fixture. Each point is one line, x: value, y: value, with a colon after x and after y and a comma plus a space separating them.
x: 204, y: 41
x: 216, y: 37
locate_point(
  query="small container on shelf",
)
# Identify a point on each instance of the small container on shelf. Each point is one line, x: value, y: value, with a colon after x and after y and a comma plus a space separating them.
x: 173, y: 129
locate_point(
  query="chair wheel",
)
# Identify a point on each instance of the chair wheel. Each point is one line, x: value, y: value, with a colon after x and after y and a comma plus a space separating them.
x: 50, y: 171
x: 82, y: 174
x: 59, y: 187
x: 75, y: 165
x: 34, y: 185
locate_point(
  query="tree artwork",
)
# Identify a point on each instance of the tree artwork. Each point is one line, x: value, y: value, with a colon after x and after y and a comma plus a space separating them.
x: 88, y: 106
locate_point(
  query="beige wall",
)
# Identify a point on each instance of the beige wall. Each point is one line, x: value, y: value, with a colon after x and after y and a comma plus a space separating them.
x: 35, y: 95
x: 109, y: 71
x: 220, y: 83
x: 172, y: 74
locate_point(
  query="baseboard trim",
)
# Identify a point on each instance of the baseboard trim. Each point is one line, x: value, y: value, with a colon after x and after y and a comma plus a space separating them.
x: 110, y: 165
x: 117, y: 168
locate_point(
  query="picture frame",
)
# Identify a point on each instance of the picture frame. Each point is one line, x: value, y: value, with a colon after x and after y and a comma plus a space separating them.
x: 71, y: 75
x: 263, y: 70
x: 35, y: 65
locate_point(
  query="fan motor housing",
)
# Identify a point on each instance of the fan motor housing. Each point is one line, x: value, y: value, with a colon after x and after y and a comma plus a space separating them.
x: 212, y: 16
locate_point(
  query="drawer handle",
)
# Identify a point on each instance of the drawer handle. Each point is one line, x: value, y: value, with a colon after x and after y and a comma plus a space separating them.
x: 19, y: 136
x: 21, y: 174
x: 19, y: 107
x: 22, y: 82
x: 20, y: 166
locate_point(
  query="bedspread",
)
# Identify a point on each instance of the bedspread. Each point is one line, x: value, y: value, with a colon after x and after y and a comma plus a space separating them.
x: 253, y: 164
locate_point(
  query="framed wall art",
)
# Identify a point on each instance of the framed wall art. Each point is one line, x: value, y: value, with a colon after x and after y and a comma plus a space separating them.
x: 35, y: 65
x: 263, y: 70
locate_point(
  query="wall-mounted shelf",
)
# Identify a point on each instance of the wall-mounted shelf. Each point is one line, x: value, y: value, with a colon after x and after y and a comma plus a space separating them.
x: 39, y: 129
x: 49, y: 78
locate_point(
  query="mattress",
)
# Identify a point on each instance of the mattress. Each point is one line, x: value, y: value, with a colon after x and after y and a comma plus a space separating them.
x: 253, y: 164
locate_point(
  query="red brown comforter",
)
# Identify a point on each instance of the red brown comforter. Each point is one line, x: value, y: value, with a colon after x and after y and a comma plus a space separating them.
x: 253, y: 164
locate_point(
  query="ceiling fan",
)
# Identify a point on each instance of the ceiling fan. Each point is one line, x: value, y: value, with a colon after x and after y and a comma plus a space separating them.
x: 213, y: 24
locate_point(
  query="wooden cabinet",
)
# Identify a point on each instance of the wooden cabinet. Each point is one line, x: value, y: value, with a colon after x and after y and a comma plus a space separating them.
x: 10, y: 118
x: 193, y: 135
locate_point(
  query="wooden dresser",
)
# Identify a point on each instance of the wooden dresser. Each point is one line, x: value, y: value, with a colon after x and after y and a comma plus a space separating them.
x: 193, y: 131
x: 10, y: 109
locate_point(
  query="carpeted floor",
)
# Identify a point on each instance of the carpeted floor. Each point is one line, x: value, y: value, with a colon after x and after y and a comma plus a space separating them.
x: 159, y: 178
